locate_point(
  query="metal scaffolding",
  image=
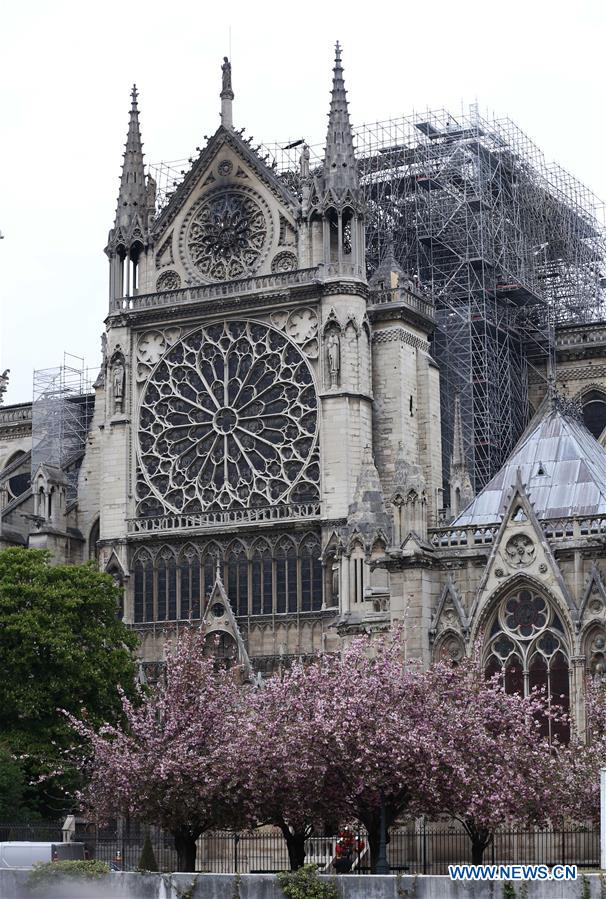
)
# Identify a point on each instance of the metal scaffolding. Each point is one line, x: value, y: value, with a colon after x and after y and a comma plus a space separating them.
x: 61, y: 412
x: 508, y: 245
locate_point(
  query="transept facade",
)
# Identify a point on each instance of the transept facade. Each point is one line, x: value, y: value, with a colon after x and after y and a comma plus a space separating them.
x: 264, y: 449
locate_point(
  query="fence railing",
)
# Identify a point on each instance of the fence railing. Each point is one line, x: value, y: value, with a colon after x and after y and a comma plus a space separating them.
x: 414, y: 849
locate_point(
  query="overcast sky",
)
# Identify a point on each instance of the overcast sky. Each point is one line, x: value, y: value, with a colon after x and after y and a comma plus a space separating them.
x: 67, y: 69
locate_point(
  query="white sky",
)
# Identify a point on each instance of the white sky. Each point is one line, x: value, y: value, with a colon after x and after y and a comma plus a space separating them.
x: 66, y: 70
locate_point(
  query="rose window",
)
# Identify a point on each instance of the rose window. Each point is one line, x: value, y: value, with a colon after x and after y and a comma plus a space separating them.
x: 228, y: 235
x: 525, y: 613
x: 228, y: 420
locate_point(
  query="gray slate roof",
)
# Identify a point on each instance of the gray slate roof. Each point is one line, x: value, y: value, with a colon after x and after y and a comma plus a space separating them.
x: 573, y: 480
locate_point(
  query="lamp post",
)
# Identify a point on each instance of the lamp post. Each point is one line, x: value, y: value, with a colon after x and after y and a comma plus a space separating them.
x: 382, y: 866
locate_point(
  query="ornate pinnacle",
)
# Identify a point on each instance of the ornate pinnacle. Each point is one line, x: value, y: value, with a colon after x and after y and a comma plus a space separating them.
x: 132, y: 199
x: 340, y: 169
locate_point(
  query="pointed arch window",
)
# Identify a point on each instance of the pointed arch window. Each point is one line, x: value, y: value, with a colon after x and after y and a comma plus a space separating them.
x: 237, y: 579
x: 527, y: 646
x: 357, y: 574
x: 212, y: 557
x: 286, y: 577
x: 311, y: 575
x: 189, y: 586
x: 144, y: 588
x: 167, y: 587
x: 262, y: 580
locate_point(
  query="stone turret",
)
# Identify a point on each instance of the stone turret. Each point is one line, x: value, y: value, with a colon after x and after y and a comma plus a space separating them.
x: 134, y: 212
x: 333, y: 198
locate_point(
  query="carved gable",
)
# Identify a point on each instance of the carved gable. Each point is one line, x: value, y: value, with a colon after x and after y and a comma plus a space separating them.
x: 521, y: 549
x: 230, y: 218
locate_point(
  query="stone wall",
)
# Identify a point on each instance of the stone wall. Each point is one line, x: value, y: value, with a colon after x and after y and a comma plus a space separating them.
x: 264, y: 886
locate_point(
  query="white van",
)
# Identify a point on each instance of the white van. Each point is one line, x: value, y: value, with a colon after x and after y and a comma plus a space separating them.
x: 26, y: 855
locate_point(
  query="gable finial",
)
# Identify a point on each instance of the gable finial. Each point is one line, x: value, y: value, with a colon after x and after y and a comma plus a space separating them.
x: 227, y: 95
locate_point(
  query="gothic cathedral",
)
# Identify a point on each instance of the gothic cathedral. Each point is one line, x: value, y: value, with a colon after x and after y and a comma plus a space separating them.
x: 264, y: 449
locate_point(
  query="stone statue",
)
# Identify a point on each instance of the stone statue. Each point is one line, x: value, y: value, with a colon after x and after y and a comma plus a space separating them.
x: 226, y: 69
x: 333, y: 356
x: 4, y: 383
x: 103, y: 349
x: 304, y: 162
x: 118, y: 372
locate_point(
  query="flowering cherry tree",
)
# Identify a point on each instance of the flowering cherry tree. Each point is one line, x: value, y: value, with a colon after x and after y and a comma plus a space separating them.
x: 167, y: 764
x: 490, y: 762
x: 579, y: 763
x: 382, y: 741
x: 283, y: 748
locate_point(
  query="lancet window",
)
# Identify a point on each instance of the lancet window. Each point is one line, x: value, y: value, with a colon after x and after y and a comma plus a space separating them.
x: 527, y: 646
x: 269, y: 577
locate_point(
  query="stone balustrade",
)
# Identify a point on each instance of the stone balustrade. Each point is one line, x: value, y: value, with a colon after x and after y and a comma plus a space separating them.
x: 210, y: 292
x: 201, y: 520
x: 554, y: 530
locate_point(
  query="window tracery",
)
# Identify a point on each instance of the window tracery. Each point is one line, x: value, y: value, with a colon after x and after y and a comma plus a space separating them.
x: 271, y: 576
x: 227, y: 235
x: 228, y: 420
x: 527, y: 647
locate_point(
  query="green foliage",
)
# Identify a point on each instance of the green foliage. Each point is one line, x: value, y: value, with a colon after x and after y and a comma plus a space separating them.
x: 305, y: 884
x: 47, y: 873
x: 12, y: 788
x: 509, y: 891
x: 62, y: 647
x: 147, y: 861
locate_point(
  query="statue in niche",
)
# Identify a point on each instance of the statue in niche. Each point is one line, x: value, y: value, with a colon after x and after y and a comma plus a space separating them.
x: 333, y: 357
x: 118, y: 372
x: 226, y: 69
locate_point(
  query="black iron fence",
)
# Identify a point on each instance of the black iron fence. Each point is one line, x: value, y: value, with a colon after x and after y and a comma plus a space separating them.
x: 414, y: 849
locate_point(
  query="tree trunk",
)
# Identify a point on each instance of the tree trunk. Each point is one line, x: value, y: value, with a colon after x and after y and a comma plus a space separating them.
x: 480, y: 838
x: 371, y: 819
x: 185, y: 844
x: 295, y: 843
x: 374, y: 841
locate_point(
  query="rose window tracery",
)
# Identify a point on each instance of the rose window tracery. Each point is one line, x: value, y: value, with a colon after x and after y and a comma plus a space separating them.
x: 525, y: 613
x: 227, y: 235
x: 228, y: 420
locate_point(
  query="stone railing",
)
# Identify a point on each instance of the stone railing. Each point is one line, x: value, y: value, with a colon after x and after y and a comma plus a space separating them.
x: 460, y: 538
x: 162, y: 523
x: 11, y: 415
x: 574, y: 528
x: 554, y: 529
x: 209, y: 292
x: 580, y: 336
x: 404, y: 296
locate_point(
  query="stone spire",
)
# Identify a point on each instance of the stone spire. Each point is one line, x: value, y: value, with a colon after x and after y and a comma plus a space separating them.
x: 133, y: 198
x: 227, y: 95
x: 340, y: 169
x: 461, y: 489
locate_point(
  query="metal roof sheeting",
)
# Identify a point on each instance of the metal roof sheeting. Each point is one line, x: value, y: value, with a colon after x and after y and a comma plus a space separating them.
x: 573, y: 481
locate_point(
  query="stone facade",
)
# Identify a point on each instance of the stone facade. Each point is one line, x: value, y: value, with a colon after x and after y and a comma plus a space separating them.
x: 267, y: 425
